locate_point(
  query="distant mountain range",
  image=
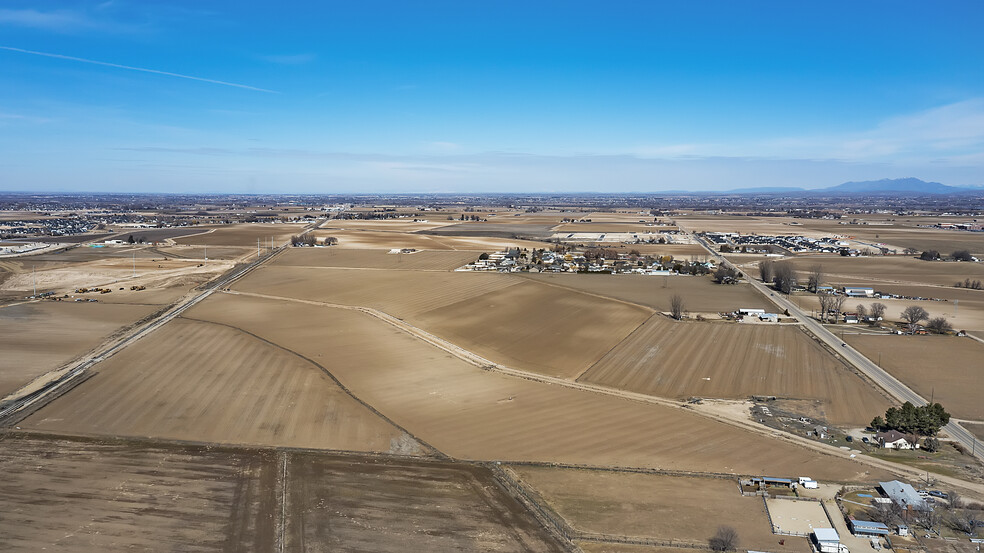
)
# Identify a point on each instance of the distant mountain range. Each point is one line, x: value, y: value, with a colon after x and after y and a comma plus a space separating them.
x: 910, y: 186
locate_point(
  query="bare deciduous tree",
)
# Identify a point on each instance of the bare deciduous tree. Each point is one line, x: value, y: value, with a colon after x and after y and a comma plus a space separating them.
x: 725, y: 539
x: 826, y: 298
x: 815, y: 279
x: 676, y: 306
x: 877, y: 311
x: 913, y: 314
x: 766, y: 269
x: 862, y: 312
x: 939, y: 325
x: 784, y: 277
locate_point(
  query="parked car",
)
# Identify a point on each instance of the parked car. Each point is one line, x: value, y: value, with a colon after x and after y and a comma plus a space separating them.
x: 939, y: 494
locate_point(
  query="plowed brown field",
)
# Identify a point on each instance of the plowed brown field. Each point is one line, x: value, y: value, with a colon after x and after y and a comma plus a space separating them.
x: 211, y: 383
x: 700, y: 294
x: 42, y: 336
x: 470, y: 413
x: 375, y: 259
x: 732, y: 360
x: 686, y: 509
x: 242, y: 235
x: 947, y: 368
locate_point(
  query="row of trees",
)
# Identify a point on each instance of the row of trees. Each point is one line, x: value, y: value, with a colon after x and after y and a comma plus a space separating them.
x: 915, y: 314
x: 780, y: 274
x: 909, y: 419
x: 972, y: 284
x: 311, y: 240
x: 934, y: 255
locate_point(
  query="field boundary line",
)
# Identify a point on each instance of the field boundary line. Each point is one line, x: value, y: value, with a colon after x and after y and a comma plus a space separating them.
x: 334, y: 379
x: 586, y: 293
x: 620, y: 342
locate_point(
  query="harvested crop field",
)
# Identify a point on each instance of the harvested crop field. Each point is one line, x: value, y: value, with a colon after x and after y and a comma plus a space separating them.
x: 948, y: 368
x: 368, y: 239
x: 375, y: 259
x: 509, y: 320
x: 39, y: 337
x: 399, y: 293
x: 344, y: 505
x: 470, y: 413
x: 700, y: 294
x: 205, y: 382
x: 678, y: 508
x: 733, y: 360
x: 155, y: 234
x: 894, y: 269
x: 242, y: 234
x: 90, y: 497
x: 535, y: 327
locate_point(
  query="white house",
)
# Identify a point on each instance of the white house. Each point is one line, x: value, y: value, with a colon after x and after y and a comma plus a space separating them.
x: 893, y: 439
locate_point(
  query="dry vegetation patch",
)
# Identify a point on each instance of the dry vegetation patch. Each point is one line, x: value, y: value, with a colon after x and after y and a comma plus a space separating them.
x: 91, y: 497
x: 343, y: 505
x: 211, y: 383
x: 946, y: 368
x: 245, y: 234
x: 677, y: 508
x: 731, y: 360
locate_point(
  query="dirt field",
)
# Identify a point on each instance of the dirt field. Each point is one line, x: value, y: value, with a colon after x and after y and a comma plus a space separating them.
x: 674, y: 508
x: 245, y: 234
x: 948, y: 368
x: 210, y: 383
x: 535, y: 327
x: 343, y: 506
x: 41, y: 336
x: 505, y: 318
x: 732, y: 360
x: 369, y: 239
x: 399, y: 293
x: 474, y: 414
x: 700, y: 294
x: 975, y: 429
x: 894, y: 269
x: 375, y: 259
x: 797, y: 516
x: 89, y: 497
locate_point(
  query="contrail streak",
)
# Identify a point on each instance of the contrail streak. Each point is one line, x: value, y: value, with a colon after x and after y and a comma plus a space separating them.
x: 131, y: 68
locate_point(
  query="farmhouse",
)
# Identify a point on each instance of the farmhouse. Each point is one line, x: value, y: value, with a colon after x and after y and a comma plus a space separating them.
x: 851, y: 318
x: 827, y: 541
x: 868, y: 529
x: 856, y: 292
x: 904, y: 495
x: 893, y: 439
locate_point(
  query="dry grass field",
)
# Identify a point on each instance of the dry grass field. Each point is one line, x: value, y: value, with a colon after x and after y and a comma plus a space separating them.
x: 678, y: 508
x: 700, y: 294
x: 732, y: 360
x: 946, y: 368
x: 205, y: 382
x: 244, y: 235
x: 39, y: 337
x: 375, y: 259
x: 975, y: 429
x: 91, y: 497
x: 353, y: 506
x: 469, y: 413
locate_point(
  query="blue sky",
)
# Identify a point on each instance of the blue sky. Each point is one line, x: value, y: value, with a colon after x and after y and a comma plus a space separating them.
x: 493, y: 96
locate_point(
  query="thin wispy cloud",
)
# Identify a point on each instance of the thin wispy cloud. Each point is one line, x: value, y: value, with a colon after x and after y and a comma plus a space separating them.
x: 290, y: 59
x: 64, y: 21
x: 141, y: 69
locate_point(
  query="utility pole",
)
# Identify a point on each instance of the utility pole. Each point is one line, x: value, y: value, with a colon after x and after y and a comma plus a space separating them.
x: 206, y: 255
x: 257, y: 248
x: 134, y: 263
x: 34, y: 277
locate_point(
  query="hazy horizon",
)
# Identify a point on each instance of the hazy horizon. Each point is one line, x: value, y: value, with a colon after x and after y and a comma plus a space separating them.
x: 467, y: 98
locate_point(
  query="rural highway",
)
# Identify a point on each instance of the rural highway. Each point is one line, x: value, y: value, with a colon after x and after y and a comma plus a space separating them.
x: 889, y: 383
